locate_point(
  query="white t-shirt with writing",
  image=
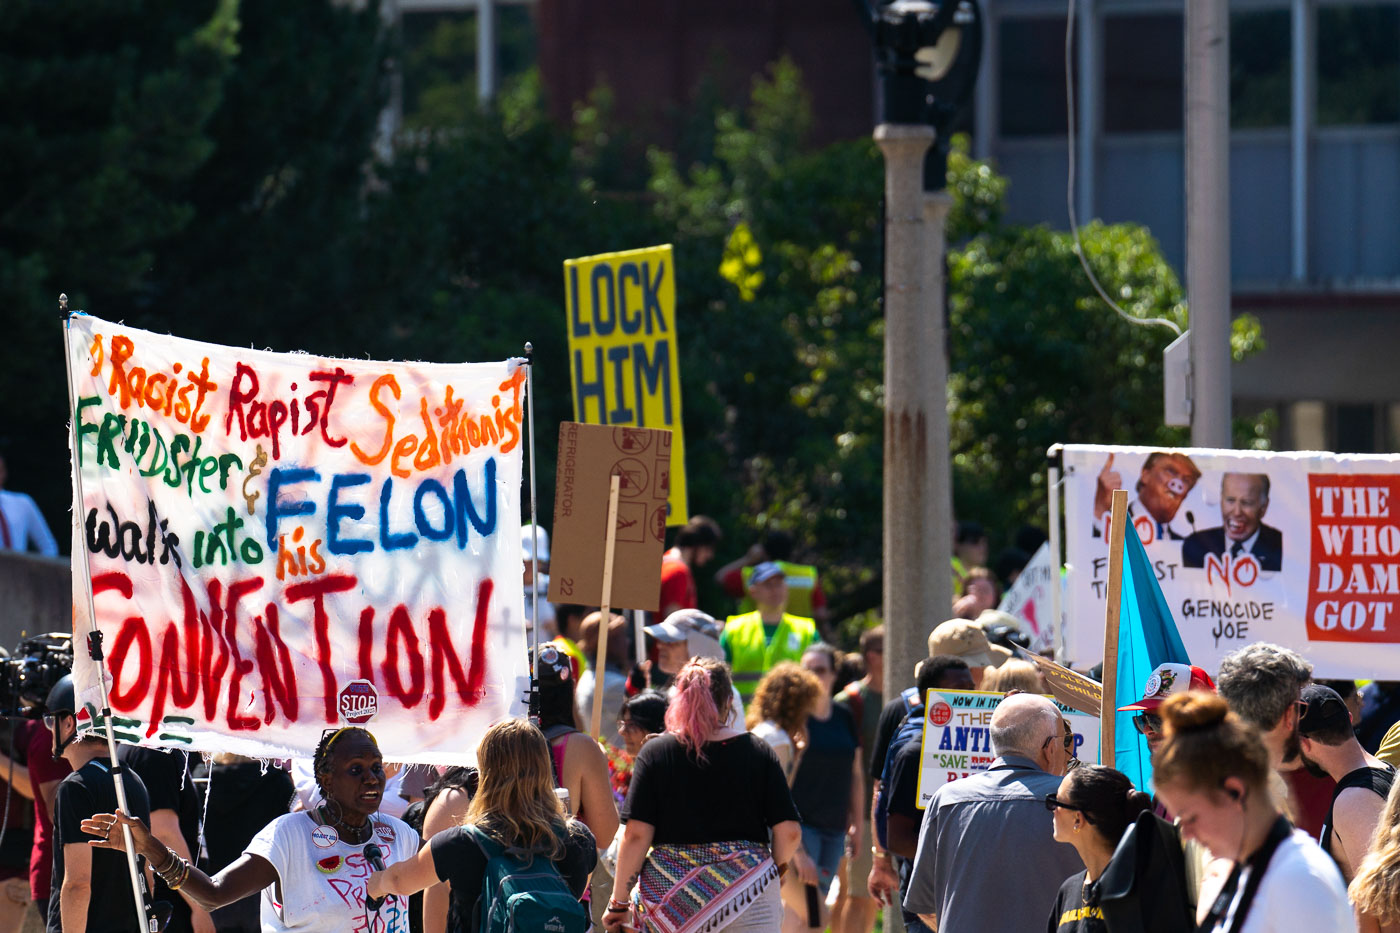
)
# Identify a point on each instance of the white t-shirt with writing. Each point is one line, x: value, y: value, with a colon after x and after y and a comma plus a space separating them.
x: 1302, y: 890
x: 323, y: 879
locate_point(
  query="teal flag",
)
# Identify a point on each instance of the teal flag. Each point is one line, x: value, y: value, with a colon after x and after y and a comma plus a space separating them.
x: 1147, y: 637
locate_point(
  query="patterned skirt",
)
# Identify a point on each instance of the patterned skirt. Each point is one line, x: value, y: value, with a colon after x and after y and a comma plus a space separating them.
x: 700, y: 888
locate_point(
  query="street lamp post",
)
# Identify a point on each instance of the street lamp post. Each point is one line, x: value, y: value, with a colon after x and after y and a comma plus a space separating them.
x: 928, y: 55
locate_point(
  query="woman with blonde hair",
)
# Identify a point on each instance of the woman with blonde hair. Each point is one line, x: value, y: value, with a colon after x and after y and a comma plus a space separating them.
x: 1212, y: 771
x: 704, y: 801
x: 1376, y: 888
x: 785, y: 697
x: 1014, y: 675
x: 515, y: 812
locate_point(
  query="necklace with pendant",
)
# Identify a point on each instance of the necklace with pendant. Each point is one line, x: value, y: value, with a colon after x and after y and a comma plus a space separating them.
x: 348, y: 833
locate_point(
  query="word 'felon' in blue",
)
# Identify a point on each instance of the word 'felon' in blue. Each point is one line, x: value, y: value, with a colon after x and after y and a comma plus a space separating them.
x: 458, y: 509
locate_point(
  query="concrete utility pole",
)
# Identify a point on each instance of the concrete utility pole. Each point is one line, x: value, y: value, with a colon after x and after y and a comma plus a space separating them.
x: 1208, y: 218
x: 918, y: 488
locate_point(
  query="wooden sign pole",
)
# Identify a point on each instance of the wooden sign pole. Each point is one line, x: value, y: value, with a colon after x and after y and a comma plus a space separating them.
x: 1118, y: 521
x: 595, y: 726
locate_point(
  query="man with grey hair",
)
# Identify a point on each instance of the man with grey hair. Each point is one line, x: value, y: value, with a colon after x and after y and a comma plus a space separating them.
x: 1263, y: 684
x: 997, y: 818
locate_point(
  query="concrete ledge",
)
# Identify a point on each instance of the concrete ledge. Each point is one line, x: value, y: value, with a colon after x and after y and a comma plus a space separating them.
x: 36, y: 596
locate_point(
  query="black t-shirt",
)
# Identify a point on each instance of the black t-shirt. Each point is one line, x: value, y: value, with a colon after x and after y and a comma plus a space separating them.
x: 821, y: 788
x: 459, y: 860
x: 244, y: 796
x: 738, y: 793
x: 87, y: 791
x: 168, y: 787
x: 891, y: 715
x: 1070, y: 914
x: 902, y: 798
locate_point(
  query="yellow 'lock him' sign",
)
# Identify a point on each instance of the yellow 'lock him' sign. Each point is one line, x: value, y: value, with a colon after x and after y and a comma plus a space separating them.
x: 622, y: 350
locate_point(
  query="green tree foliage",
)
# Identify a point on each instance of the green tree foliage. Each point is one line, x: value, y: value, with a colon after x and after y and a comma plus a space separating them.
x: 106, y: 120
x: 213, y: 171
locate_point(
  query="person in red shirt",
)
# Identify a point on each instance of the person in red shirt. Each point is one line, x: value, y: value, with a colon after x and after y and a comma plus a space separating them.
x: 39, y: 782
x: 694, y: 547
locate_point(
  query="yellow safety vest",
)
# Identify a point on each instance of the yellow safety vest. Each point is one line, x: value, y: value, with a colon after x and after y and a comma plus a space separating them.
x: 801, y: 583
x: 751, y: 655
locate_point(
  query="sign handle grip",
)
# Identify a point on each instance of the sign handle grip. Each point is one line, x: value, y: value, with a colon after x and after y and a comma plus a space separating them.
x: 595, y: 725
x: 1118, y: 521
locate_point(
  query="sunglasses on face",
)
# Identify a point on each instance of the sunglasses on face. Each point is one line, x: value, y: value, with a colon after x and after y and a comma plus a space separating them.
x: 1052, y: 802
x: 1147, y: 723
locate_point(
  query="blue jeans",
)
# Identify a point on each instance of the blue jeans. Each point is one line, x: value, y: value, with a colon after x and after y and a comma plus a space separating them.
x: 825, y: 847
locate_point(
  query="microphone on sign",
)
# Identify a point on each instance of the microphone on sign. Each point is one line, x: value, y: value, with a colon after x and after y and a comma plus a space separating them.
x: 375, y: 856
x: 1191, y: 520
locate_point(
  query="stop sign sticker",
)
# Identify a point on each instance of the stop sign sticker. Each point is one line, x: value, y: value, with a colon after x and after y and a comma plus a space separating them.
x: 940, y: 713
x: 359, y: 702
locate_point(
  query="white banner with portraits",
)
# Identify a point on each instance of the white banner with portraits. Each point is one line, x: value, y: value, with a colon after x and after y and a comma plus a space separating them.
x: 1297, y: 548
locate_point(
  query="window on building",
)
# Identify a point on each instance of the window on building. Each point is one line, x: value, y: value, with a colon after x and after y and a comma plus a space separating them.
x: 1142, y: 58
x: 1358, y: 64
x: 1032, y: 76
x: 1260, y: 69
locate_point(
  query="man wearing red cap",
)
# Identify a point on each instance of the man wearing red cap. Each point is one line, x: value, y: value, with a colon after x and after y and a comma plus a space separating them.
x: 1166, y: 681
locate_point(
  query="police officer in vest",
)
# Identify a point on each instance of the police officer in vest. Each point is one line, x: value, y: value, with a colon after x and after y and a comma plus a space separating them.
x: 755, y: 641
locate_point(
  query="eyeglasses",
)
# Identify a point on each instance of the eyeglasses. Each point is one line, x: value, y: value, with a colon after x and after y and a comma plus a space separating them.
x: 1147, y: 723
x: 626, y: 725
x: 50, y: 721
x: 1051, y: 802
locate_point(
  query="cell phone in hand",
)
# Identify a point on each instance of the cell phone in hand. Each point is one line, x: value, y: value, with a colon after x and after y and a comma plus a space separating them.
x: 814, y: 906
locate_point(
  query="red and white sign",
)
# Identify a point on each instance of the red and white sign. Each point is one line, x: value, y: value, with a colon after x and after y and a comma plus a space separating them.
x: 277, y: 543
x: 359, y: 702
x: 1300, y: 548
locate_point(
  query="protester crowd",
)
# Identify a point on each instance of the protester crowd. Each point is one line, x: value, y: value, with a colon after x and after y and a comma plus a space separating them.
x: 752, y: 777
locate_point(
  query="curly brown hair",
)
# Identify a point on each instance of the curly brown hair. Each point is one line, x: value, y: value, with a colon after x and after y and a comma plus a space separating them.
x: 786, y: 695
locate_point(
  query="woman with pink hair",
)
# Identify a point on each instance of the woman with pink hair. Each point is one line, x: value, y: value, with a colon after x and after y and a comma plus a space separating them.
x: 710, y: 824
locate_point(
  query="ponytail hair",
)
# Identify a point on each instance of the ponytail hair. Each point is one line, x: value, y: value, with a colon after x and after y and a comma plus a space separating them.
x: 1107, y: 799
x: 702, y: 690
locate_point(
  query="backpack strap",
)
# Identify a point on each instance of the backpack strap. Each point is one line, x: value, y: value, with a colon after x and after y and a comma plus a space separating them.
x: 489, y: 847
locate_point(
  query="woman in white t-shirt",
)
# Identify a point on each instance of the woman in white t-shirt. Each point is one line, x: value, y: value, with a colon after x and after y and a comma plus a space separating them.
x: 1212, y: 772
x: 311, y: 866
x: 783, y: 700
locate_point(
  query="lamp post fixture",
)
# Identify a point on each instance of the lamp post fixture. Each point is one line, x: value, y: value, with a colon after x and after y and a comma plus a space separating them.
x: 927, y: 54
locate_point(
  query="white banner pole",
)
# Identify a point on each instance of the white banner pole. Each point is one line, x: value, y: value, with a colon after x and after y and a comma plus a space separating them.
x: 1056, y: 551
x: 94, y: 644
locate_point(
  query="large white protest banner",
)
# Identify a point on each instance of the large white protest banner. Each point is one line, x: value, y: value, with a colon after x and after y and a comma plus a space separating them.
x: 958, y: 737
x: 281, y: 543
x: 1298, y: 548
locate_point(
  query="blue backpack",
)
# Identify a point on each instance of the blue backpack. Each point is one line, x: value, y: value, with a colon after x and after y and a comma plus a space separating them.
x: 911, y: 728
x: 524, y: 895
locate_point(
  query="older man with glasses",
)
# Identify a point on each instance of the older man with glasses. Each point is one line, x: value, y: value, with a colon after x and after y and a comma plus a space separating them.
x: 996, y: 818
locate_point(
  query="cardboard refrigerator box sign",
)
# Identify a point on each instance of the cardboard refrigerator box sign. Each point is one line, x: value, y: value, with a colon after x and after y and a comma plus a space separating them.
x: 589, y: 455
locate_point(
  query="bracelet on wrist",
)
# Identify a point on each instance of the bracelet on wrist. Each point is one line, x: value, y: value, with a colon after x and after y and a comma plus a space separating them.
x: 615, y: 908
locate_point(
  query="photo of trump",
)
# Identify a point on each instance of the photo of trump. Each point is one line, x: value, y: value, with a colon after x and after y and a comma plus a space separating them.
x: 1244, y: 498
x: 1164, y: 481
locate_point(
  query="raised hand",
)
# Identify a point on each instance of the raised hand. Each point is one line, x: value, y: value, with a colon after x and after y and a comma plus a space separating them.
x: 1109, y: 479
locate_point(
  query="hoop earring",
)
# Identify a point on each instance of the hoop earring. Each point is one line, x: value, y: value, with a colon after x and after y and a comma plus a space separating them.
x: 339, y: 811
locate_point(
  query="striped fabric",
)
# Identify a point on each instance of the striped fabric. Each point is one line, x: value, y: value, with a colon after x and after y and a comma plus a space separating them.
x: 700, y: 888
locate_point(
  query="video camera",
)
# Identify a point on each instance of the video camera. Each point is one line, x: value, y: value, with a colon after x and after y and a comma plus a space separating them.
x: 27, y: 676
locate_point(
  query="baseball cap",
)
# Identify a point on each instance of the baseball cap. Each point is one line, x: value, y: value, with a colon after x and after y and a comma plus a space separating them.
x: 1167, y: 681
x: 679, y: 625
x: 1323, y: 708
x: 527, y: 541
x: 764, y: 572
x: 966, y: 640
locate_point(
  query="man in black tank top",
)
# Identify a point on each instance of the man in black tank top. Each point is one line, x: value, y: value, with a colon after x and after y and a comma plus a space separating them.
x: 1363, y: 781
